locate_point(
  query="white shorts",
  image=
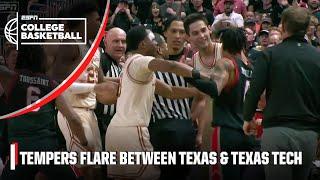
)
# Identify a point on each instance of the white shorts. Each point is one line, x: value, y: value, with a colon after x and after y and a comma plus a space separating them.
x: 135, y: 139
x: 91, y: 130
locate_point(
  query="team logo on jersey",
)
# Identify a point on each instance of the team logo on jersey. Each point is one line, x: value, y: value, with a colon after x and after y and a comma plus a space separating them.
x: 34, y: 30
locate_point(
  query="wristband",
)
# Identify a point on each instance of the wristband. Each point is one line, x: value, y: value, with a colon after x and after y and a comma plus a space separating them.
x: 195, y: 74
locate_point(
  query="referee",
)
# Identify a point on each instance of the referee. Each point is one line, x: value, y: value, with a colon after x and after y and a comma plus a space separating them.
x: 171, y: 128
x: 115, y: 48
x: 290, y: 73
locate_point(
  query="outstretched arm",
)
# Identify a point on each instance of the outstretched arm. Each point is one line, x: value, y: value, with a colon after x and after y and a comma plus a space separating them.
x: 107, y: 92
x: 173, y: 67
x: 220, y: 78
x: 174, y: 92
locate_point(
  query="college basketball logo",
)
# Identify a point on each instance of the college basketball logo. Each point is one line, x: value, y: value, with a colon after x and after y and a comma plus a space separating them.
x: 33, y: 30
x: 11, y: 31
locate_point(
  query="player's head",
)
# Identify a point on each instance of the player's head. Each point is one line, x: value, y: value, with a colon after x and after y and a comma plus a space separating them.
x: 85, y: 9
x: 115, y: 43
x: 198, y: 32
x: 141, y: 40
x: 162, y: 45
x: 295, y: 20
x: 32, y: 58
x: 233, y: 40
x: 174, y: 33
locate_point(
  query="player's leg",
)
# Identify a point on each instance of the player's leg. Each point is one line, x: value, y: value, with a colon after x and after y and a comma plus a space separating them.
x: 122, y: 139
x: 54, y: 172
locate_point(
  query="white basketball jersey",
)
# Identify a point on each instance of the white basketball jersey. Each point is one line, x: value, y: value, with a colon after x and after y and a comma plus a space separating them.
x: 136, y: 93
x: 199, y: 65
x: 90, y: 75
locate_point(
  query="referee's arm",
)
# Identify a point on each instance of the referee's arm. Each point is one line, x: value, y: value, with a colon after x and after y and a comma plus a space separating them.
x: 257, y: 86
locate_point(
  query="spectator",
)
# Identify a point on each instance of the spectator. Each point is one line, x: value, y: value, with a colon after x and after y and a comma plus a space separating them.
x: 314, y: 6
x: 274, y: 31
x: 263, y: 42
x: 197, y: 6
x: 155, y: 22
x: 274, y: 39
x: 266, y: 23
x: 143, y: 6
x: 277, y: 11
x: 134, y: 11
x: 172, y: 8
x: 122, y: 16
x: 249, y: 15
x: 250, y: 35
x: 311, y: 32
x: 10, y: 58
x: 229, y: 17
x: 318, y: 32
x: 255, y: 5
x: 239, y: 7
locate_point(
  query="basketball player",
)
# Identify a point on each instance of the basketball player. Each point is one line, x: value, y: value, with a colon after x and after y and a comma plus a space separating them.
x: 83, y: 93
x: 35, y: 131
x: 128, y: 129
x: 230, y: 75
x: 198, y: 34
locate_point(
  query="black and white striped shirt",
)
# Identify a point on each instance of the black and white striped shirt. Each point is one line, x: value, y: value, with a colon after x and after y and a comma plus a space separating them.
x: 164, y: 108
x: 112, y: 70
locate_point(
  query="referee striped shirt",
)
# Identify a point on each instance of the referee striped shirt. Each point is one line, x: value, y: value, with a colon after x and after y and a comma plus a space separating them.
x: 164, y: 108
x: 111, y: 71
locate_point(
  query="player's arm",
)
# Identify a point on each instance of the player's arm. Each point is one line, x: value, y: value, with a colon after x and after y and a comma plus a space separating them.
x: 257, y: 86
x: 173, y: 67
x: 220, y: 79
x: 72, y: 117
x: 174, y: 92
x: 107, y: 92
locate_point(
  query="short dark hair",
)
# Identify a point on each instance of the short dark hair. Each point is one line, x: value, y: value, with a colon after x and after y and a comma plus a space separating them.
x: 233, y: 40
x: 296, y: 20
x: 135, y: 36
x: 169, y: 21
x: 159, y: 38
x: 31, y: 58
x: 80, y: 10
x: 194, y: 17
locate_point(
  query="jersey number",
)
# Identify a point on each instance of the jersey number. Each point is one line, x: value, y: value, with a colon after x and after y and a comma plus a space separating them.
x: 33, y: 94
x: 92, y: 75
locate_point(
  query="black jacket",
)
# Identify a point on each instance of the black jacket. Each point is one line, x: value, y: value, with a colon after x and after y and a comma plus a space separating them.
x: 290, y: 73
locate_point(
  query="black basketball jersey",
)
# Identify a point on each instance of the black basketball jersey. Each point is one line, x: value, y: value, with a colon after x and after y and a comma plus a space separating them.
x: 26, y: 88
x: 228, y: 110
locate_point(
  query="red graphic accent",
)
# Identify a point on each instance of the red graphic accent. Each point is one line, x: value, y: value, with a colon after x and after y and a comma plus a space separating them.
x: 74, y: 76
x: 215, y: 146
x: 16, y: 153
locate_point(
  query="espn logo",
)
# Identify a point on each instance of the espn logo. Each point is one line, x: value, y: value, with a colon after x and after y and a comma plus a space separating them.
x: 9, y: 7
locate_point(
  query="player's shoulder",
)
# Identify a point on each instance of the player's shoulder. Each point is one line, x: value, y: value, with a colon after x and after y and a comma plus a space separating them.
x: 226, y: 63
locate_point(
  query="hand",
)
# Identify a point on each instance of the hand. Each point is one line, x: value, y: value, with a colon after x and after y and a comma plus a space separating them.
x: 249, y: 128
x: 171, y: 11
x: 283, y: 2
x: 117, y: 10
x: 183, y: 14
x: 127, y: 10
x: 199, y: 141
x: 77, y: 129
